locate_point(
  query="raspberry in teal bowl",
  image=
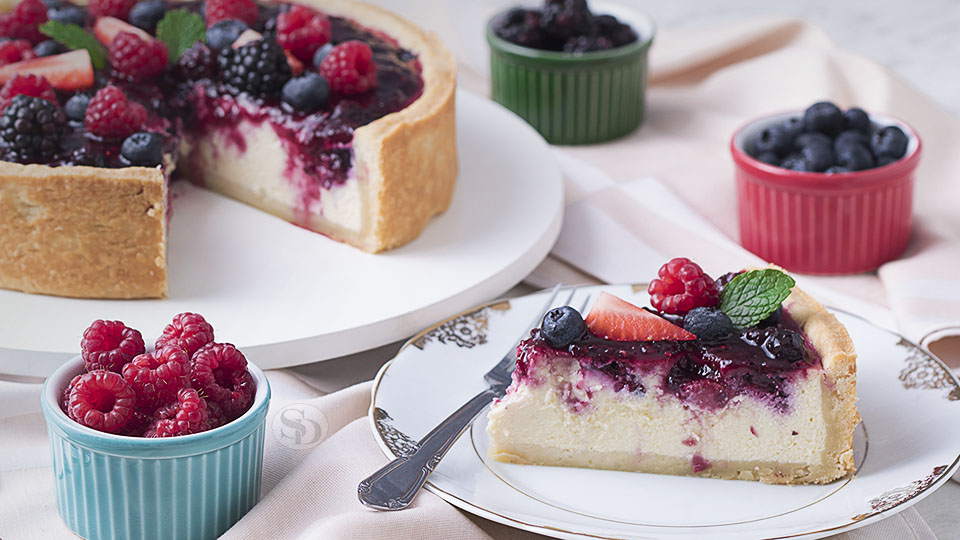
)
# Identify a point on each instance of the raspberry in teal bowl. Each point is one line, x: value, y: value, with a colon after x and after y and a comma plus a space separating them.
x: 112, y: 487
x: 574, y: 97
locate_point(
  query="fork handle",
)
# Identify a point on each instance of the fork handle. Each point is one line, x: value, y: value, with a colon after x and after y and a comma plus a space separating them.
x: 396, y: 485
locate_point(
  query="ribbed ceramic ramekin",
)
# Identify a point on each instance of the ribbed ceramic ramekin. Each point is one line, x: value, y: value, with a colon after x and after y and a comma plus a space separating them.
x: 574, y: 98
x: 817, y: 223
x: 110, y: 487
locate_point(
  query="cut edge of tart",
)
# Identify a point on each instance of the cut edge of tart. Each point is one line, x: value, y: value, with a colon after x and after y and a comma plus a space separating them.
x: 559, y: 412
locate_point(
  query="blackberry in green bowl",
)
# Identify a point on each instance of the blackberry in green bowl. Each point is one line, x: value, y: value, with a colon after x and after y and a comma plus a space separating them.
x: 576, y: 76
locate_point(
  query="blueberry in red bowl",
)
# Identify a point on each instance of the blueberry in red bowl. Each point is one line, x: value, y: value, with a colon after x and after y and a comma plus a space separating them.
x: 559, y: 46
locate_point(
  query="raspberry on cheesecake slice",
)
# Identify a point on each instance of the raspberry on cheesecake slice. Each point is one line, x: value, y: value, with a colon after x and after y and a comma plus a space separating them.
x: 746, y: 377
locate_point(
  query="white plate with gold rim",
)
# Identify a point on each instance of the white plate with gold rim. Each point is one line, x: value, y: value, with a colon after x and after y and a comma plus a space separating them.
x: 297, y: 297
x: 906, y: 447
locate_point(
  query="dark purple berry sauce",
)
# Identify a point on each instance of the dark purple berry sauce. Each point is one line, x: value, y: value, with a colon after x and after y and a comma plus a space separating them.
x: 755, y: 362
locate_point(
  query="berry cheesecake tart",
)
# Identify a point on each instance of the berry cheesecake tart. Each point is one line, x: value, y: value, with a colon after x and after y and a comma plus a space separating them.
x: 331, y: 114
x: 746, y: 377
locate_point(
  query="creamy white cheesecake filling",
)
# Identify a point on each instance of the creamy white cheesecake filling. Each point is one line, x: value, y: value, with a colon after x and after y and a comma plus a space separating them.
x: 252, y: 163
x: 560, y: 414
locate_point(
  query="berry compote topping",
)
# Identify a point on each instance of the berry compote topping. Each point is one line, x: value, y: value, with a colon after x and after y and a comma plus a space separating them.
x: 213, y: 86
x: 563, y: 25
x: 760, y: 362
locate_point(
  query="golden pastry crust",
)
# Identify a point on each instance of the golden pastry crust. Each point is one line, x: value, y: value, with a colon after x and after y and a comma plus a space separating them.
x: 839, y: 358
x: 411, y: 155
x: 83, y: 231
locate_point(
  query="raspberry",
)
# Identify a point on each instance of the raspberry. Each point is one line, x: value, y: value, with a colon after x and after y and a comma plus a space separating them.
x: 349, y: 68
x: 135, y: 59
x: 31, y: 126
x: 197, y: 62
x: 111, y: 8
x: 139, y: 422
x: 185, y: 416
x: 259, y: 67
x: 109, y: 345
x: 15, y: 50
x: 111, y: 116
x: 221, y: 10
x: 682, y: 286
x: 27, y: 85
x: 101, y: 400
x: 188, y: 331
x: 215, y: 415
x: 302, y: 31
x: 158, y: 376
x: 24, y: 20
x: 219, y: 370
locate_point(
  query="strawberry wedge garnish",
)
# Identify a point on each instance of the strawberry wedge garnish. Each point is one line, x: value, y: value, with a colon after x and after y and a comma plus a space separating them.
x: 619, y: 320
x: 107, y: 28
x: 248, y: 35
x: 68, y: 71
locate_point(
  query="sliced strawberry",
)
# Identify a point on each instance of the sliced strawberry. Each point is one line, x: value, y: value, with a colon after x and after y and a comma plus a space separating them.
x: 107, y: 28
x: 67, y: 71
x: 619, y: 320
x: 248, y: 35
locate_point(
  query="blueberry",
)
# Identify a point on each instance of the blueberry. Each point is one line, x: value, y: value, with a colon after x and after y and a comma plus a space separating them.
x: 562, y: 326
x: 49, y: 47
x: 222, y: 34
x: 855, y: 157
x: 793, y: 127
x: 836, y: 169
x: 806, y: 139
x: 823, y: 117
x: 889, y: 141
x: 147, y: 14
x: 143, y: 149
x: 885, y: 160
x: 308, y: 92
x: 52, y: 3
x: 795, y: 162
x: 708, y: 324
x: 76, y: 107
x: 819, y: 157
x: 769, y: 158
x: 321, y: 53
x: 850, y: 137
x: 772, y: 139
x: 857, y: 120
x: 68, y: 14
x: 784, y: 344
x: 773, y: 318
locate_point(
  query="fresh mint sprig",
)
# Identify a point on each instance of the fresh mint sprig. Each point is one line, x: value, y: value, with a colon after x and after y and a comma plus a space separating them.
x: 752, y: 296
x: 74, y: 37
x: 179, y: 29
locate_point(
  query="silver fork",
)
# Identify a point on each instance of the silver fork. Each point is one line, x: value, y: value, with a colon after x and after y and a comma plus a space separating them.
x: 396, y: 485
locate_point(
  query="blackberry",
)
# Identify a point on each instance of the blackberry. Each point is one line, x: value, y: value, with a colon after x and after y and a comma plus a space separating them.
x: 562, y: 19
x: 31, y: 126
x: 616, y: 31
x: 708, y: 324
x: 582, y: 44
x: 259, y: 68
x: 722, y: 281
x: 562, y: 326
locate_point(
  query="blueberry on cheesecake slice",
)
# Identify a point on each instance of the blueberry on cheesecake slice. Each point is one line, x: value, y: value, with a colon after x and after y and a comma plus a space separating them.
x: 746, y: 377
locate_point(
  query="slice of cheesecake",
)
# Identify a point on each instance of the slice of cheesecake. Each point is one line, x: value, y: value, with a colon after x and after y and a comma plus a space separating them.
x: 743, y: 407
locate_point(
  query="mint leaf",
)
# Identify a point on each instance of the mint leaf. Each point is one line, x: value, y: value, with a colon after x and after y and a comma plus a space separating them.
x: 752, y: 296
x: 179, y: 29
x: 74, y: 37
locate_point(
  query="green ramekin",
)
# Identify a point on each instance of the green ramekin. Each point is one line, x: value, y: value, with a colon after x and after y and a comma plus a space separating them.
x: 574, y: 98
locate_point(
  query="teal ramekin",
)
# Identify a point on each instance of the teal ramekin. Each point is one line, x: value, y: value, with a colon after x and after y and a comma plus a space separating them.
x: 572, y: 98
x: 110, y: 487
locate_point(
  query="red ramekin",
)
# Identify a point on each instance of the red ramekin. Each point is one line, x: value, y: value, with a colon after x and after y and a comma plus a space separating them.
x: 817, y: 223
